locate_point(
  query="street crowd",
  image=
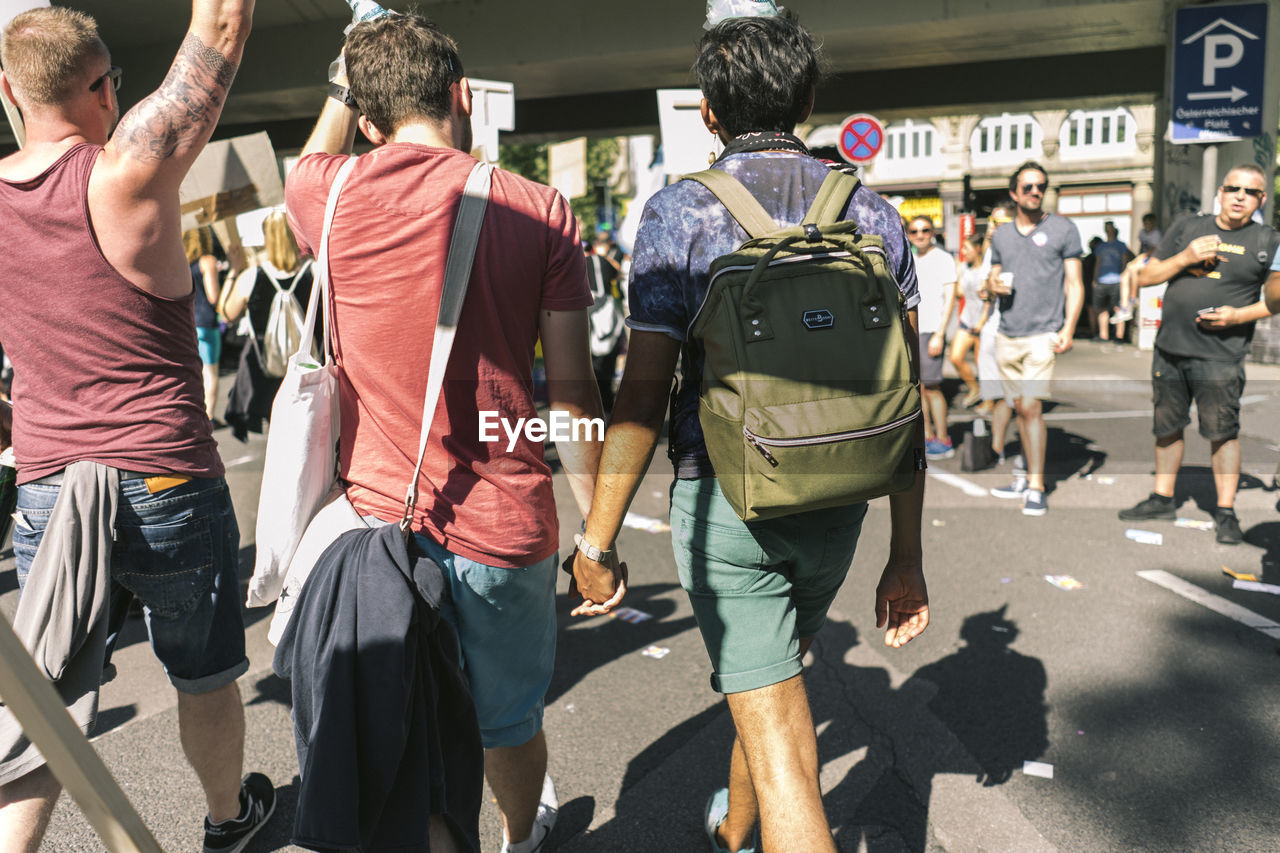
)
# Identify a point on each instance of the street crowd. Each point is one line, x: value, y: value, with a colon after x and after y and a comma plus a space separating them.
x: 421, y: 646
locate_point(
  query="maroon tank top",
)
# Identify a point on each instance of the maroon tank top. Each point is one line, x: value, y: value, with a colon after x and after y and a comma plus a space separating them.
x: 103, y: 371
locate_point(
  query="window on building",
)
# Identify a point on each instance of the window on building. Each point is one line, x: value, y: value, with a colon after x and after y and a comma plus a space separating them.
x: 911, y: 150
x: 1005, y: 139
x: 1098, y: 133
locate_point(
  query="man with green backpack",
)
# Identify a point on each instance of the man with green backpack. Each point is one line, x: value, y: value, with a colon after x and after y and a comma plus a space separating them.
x: 789, y: 292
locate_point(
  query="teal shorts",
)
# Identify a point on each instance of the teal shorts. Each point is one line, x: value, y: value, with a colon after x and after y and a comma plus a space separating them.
x: 757, y: 588
x: 506, y: 624
x: 209, y: 342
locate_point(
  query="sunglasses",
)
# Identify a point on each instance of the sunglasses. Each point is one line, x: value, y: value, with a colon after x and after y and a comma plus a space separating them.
x: 1232, y: 189
x: 919, y: 230
x: 113, y: 74
x: 1026, y: 188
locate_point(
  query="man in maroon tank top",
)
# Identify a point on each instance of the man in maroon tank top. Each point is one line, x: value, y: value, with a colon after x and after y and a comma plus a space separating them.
x: 95, y: 312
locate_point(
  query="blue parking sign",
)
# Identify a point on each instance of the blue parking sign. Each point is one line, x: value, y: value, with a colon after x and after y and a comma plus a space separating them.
x: 1218, y: 58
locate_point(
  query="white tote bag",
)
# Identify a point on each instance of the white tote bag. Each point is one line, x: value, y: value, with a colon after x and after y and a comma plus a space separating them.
x: 301, y: 464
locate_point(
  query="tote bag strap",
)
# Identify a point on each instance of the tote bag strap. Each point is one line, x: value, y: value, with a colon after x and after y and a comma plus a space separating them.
x: 457, y: 275
x: 320, y: 286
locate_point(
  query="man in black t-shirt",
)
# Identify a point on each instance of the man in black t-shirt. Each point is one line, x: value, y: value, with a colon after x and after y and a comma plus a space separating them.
x: 1215, y: 266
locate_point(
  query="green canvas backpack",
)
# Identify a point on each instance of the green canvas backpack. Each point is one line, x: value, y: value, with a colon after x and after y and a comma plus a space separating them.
x: 810, y: 396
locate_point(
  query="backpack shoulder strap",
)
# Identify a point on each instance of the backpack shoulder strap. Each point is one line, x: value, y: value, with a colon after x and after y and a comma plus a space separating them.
x: 739, y: 201
x: 297, y: 277
x: 833, y: 198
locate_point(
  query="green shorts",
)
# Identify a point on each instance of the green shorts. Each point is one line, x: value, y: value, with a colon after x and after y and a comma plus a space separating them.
x: 757, y: 588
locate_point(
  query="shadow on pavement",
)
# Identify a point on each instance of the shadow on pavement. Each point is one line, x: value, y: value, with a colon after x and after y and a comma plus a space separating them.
x: 575, y: 660
x: 1188, y: 733
x: 112, y: 718
x: 989, y: 697
x: 978, y: 712
x: 1195, y: 483
x: 1070, y: 455
x: 1267, y: 537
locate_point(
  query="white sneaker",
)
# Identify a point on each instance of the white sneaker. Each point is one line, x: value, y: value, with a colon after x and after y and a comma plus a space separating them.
x: 1016, y: 489
x: 543, y: 821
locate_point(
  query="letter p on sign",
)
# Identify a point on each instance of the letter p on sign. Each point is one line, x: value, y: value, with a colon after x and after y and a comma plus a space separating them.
x: 1213, y: 60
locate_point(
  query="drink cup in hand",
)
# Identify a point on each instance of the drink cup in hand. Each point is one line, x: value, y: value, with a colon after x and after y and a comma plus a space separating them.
x: 1004, y: 285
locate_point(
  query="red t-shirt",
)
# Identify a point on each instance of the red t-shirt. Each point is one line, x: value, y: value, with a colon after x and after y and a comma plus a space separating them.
x: 387, y: 254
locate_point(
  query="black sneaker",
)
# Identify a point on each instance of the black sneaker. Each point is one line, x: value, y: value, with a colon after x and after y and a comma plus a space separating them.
x: 257, y: 802
x: 1154, y: 507
x: 1228, y: 527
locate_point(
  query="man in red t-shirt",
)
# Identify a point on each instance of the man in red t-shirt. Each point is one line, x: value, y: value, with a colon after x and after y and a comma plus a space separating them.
x: 487, y: 512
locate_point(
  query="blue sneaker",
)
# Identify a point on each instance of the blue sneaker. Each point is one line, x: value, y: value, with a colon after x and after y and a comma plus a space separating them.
x: 938, y: 449
x: 1014, y: 490
x: 717, y: 811
x: 1033, y: 502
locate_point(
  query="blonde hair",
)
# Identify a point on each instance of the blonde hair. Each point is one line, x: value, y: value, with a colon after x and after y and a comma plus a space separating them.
x: 197, y: 242
x: 278, y: 242
x: 45, y: 52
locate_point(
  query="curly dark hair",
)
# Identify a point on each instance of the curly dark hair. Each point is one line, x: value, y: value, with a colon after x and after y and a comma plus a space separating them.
x: 758, y: 74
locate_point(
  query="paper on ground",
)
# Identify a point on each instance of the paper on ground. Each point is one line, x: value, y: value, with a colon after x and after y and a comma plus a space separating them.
x: 656, y: 652
x: 630, y: 614
x: 643, y: 522
x: 1194, y: 524
x: 1064, y: 582
x: 1037, y: 768
x: 1254, y: 586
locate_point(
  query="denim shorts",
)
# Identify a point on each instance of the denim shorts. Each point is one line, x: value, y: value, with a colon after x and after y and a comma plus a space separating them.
x: 506, y: 624
x: 757, y: 588
x: 177, y: 552
x: 1216, y: 387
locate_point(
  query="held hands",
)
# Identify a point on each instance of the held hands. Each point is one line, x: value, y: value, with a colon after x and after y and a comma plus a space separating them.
x: 902, y: 601
x: 600, y: 585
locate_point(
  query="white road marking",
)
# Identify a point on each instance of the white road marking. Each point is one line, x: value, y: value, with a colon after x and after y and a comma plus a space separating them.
x: 1216, y: 603
x: 1097, y: 416
x: 967, y: 486
x: 241, y: 460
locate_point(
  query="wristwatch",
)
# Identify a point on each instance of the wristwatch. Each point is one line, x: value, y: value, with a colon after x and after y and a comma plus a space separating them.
x: 591, y: 551
x: 342, y: 95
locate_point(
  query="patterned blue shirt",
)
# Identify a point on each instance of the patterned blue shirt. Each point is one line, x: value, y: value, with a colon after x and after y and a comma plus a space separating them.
x: 684, y: 228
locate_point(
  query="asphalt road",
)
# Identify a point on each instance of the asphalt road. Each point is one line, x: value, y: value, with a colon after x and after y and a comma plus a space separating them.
x: 1157, y: 713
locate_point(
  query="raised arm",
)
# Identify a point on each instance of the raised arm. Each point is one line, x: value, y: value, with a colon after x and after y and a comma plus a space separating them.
x: 157, y: 141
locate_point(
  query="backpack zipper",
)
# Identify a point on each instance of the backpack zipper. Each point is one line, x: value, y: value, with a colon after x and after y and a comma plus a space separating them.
x: 759, y: 441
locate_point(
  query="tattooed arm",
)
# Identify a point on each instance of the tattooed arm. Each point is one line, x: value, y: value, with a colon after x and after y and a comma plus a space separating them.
x: 166, y: 131
x: 133, y: 189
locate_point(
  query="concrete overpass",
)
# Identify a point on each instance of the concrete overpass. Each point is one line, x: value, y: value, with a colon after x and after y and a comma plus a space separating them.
x: 592, y: 67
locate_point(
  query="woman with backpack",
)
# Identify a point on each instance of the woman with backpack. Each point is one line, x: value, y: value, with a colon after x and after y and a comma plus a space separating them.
x: 274, y: 291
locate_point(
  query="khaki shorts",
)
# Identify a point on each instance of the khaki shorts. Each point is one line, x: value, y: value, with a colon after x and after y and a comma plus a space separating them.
x: 1026, y: 365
